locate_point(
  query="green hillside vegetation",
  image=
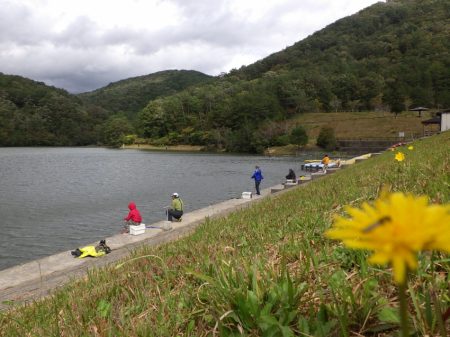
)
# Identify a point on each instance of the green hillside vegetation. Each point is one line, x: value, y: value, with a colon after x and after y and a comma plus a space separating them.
x: 349, y: 125
x: 264, y: 271
x: 389, y: 57
x: 32, y: 113
x: 131, y: 95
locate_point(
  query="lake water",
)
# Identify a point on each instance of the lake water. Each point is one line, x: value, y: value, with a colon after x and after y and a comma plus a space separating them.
x: 56, y: 199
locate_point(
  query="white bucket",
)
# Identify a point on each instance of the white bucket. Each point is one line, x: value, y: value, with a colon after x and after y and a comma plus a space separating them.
x: 246, y: 195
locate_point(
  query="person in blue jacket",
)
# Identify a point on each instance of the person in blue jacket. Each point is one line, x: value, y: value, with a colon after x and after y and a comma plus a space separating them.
x: 257, y: 175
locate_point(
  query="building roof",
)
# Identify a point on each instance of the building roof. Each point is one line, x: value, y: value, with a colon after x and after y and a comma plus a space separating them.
x: 446, y: 111
x: 420, y: 108
x: 434, y: 120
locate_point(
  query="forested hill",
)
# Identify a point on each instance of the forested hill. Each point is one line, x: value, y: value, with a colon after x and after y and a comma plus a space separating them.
x: 32, y: 113
x: 129, y: 96
x: 390, y: 56
x: 401, y: 46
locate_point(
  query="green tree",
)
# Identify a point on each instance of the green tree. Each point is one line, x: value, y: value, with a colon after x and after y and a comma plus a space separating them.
x: 299, y: 136
x: 115, y: 131
x: 327, y: 139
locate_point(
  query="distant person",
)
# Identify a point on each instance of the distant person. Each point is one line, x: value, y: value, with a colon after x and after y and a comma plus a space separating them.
x: 325, y: 162
x: 133, y: 218
x: 257, y: 175
x: 291, y: 175
x: 177, y: 208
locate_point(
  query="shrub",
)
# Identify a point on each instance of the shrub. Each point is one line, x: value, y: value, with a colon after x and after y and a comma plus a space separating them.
x: 163, y: 141
x: 299, y: 136
x: 327, y: 139
x: 200, y: 138
x: 282, y: 140
x: 129, y: 139
x: 174, y: 137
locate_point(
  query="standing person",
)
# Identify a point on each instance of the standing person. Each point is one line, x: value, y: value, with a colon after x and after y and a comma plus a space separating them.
x: 257, y: 175
x: 177, y: 208
x: 325, y: 162
x: 133, y: 218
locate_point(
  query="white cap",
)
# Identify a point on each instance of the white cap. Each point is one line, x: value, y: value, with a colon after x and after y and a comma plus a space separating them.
x: 175, y: 195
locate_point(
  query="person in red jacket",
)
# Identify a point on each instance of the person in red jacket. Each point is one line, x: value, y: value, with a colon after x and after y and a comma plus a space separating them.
x: 133, y: 218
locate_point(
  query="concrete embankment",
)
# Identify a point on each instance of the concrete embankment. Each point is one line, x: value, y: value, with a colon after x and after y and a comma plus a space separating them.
x: 33, y: 280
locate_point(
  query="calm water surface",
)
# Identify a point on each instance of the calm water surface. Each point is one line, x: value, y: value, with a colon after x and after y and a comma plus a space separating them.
x: 56, y: 199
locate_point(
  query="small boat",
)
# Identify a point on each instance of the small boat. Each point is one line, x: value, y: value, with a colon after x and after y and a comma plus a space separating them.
x: 312, y: 166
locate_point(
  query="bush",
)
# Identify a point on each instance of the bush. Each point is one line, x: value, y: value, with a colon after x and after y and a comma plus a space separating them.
x: 163, y: 141
x: 174, y: 138
x: 282, y: 140
x: 200, y: 138
x: 129, y: 139
x: 327, y: 139
x: 299, y: 136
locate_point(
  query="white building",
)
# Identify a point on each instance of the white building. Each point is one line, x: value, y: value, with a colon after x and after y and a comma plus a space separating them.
x: 445, y: 120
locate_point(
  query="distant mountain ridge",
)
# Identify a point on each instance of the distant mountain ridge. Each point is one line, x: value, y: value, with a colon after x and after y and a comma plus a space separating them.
x: 32, y: 113
x: 402, y: 41
x: 388, y: 57
x: 131, y: 95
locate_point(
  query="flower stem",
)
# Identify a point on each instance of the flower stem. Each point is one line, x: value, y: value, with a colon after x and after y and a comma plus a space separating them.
x: 403, y: 310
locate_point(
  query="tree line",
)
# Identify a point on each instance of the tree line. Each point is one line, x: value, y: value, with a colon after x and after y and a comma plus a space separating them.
x: 390, y: 56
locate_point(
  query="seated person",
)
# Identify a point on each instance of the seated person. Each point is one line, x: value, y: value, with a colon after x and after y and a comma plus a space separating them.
x: 325, y: 161
x: 99, y: 250
x: 177, y: 208
x: 291, y: 175
x: 133, y: 218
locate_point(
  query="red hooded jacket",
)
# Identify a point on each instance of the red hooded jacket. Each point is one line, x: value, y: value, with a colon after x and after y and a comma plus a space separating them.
x: 134, y: 214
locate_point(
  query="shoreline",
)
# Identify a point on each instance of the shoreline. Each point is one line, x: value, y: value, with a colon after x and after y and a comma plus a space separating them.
x: 168, y: 148
x: 32, y: 280
x: 36, y: 279
x: 275, y: 151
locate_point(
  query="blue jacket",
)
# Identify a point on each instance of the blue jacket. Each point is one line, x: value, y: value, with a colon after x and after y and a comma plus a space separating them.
x: 257, y: 175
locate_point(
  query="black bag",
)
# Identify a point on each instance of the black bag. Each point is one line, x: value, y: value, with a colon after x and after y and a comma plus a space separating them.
x: 76, y: 253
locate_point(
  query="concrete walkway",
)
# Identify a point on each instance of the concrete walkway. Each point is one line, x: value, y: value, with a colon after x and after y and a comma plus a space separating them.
x: 33, y: 280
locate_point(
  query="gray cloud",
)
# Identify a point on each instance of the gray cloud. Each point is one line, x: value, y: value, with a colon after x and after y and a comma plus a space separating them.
x: 82, y: 54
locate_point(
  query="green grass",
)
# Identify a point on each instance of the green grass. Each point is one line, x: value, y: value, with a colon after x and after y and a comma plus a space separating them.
x: 351, y: 125
x: 264, y: 271
x: 363, y: 124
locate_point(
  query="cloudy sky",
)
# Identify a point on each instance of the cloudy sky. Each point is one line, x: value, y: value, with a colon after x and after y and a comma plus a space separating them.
x: 82, y: 45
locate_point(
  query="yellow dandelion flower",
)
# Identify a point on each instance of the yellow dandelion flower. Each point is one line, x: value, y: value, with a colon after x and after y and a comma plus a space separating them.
x: 396, y: 227
x: 410, y: 148
x: 399, y: 156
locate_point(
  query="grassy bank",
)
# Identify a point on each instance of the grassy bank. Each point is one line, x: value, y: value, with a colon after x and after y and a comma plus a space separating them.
x: 348, y: 125
x: 264, y: 271
x: 363, y: 124
x: 345, y: 124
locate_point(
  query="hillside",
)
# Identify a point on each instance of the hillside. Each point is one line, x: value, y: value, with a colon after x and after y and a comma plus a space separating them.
x: 388, y: 57
x: 129, y: 96
x: 32, y: 113
x: 267, y: 270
